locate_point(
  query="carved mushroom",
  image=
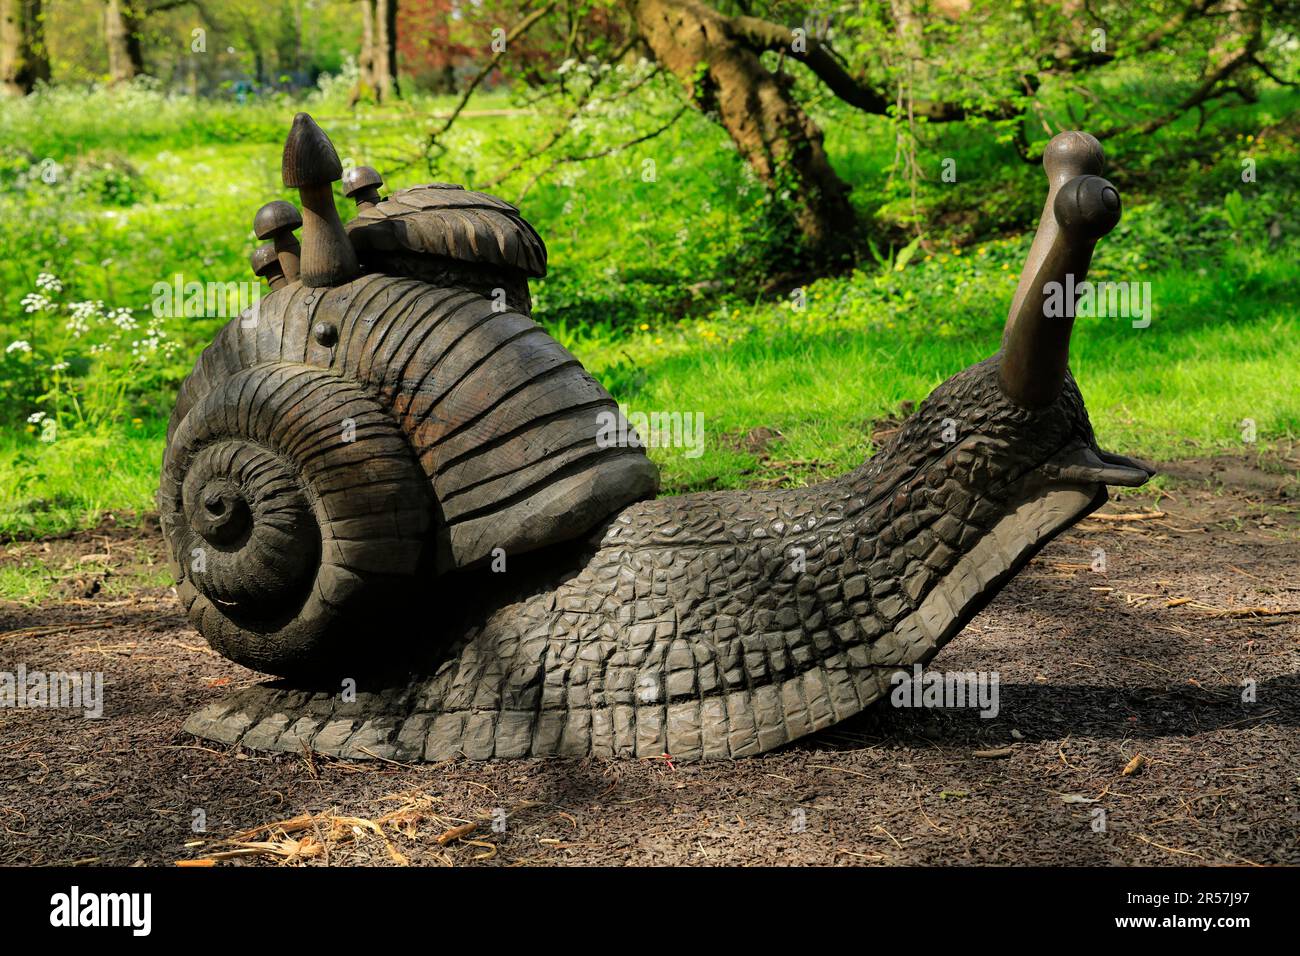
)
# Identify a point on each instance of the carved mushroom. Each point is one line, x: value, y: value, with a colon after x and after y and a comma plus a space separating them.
x: 361, y: 185
x: 266, y: 265
x: 276, y: 221
x: 312, y: 166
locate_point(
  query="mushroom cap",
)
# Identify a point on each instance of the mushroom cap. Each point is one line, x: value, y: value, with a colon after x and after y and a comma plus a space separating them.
x: 360, y: 177
x: 275, y: 216
x: 309, y: 156
x: 265, y: 261
x: 441, y: 219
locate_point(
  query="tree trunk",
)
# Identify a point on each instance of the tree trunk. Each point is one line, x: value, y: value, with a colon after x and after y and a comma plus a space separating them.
x: 23, y: 57
x: 779, y: 141
x: 366, y: 59
x: 378, y: 61
x: 385, y: 44
x: 122, y: 37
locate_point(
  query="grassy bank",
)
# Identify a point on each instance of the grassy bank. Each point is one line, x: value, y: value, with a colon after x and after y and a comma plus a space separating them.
x: 654, y: 284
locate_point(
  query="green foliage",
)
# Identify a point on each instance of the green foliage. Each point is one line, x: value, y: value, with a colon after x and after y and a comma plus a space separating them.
x: 658, y: 284
x: 83, y: 366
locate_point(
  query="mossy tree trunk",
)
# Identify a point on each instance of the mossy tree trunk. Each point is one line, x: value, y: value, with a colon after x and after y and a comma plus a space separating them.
x: 720, y: 66
x: 23, y: 58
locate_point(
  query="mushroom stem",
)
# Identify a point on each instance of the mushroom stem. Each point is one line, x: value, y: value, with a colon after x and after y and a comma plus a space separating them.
x: 328, y: 258
x: 362, y: 183
x: 276, y: 221
x: 289, y: 252
x: 266, y: 265
x: 310, y: 164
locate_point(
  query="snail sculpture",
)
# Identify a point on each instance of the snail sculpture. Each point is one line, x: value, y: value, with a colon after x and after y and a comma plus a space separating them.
x: 386, y: 485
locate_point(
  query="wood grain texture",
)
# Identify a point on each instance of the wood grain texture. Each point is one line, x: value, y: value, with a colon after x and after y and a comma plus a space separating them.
x: 489, y: 412
x: 326, y: 502
x: 448, y: 223
x: 685, y: 627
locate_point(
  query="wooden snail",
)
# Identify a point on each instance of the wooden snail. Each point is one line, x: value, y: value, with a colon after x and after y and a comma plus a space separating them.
x: 349, y: 461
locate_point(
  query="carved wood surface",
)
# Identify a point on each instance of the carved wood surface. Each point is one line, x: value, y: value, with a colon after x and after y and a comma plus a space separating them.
x: 687, y: 627
x: 449, y: 221
x: 498, y: 420
x: 346, y: 459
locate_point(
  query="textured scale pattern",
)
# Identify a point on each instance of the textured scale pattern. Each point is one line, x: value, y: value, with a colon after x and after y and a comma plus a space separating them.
x: 722, y: 624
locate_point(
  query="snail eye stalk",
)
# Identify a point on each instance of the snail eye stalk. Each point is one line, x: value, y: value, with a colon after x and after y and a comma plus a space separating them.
x: 1081, y: 208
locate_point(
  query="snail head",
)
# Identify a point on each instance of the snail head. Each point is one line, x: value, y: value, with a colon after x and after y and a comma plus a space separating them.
x: 1018, y: 418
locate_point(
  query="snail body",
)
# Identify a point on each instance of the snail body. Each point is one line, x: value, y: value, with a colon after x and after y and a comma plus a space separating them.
x: 713, y: 625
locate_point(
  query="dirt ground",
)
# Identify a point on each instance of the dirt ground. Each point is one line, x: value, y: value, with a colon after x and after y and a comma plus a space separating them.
x: 1145, y: 659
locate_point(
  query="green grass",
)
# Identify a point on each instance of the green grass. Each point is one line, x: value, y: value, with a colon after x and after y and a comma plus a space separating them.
x: 71, y: 483
x: 28, y: 582
x: 652, y: 284
x: 821, y: 376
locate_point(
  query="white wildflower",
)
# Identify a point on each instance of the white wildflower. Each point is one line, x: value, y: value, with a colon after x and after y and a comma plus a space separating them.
x: 49, y: 282
x: 86, y: 310
x: 36, y: 302
x: 124, y: 320
x: 21, y: 345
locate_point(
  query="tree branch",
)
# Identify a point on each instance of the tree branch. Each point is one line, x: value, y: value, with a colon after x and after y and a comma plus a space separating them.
x: 1202, y: 94
x: 607, y: 151
x: 566, y: 124
x: 518, y: 30
x: 823, y: 61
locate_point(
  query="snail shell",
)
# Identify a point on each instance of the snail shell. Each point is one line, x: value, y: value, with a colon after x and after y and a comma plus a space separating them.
x: 332, y: 443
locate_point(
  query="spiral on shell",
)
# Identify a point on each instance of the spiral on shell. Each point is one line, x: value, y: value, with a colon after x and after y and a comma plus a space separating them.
x: 286, y: 493
x: 383, y: 414
x: 334, y: 448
